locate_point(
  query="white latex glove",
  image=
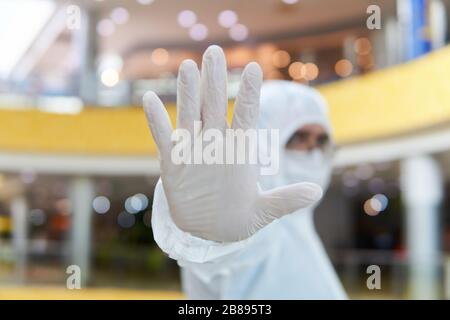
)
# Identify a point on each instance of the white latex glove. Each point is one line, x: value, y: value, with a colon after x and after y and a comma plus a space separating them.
x: 218, y: 202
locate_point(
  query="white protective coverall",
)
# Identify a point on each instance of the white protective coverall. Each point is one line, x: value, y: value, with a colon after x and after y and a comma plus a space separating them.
x: 285, y: 259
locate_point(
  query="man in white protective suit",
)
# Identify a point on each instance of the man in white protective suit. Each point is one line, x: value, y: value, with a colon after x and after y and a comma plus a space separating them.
x: 236, y: 234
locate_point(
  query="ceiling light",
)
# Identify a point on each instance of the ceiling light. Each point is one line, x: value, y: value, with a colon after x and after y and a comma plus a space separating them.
x: 238, y: 32
x: 198, y: 32
x: 105, y: 28
x: 120, y: 15
x: 187, y: 18
x: 227, y: 18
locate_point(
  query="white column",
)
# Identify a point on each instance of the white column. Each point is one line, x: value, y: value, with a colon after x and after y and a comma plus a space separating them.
x: 387, y: 44
x: 81, y: 195
x: 421, y: 187
x: 438, y: 23
x: 20, y: 231
x: 85, y: 44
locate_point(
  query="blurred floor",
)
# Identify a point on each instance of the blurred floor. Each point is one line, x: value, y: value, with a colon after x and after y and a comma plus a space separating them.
x: 61, y: 293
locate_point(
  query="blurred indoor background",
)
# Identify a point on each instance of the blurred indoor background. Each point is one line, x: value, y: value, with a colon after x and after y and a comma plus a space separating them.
x: 78, y: 165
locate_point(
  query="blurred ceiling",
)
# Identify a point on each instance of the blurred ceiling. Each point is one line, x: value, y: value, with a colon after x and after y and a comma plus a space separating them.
x: 155, y: 24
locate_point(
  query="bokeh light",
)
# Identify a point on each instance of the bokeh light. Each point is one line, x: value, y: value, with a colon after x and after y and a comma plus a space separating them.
x: 343, y: 68
x: 227, y: 18
x: 362, y: 46
x: 383, y: 200
x: 136, y: 203
x: 101, y: 204
x: 378, y: 203
x: 187, y: 18
x: 110, y: 77
x: 198, y: 32
x: 281, y: 59
x: 238, y: 32
x: 297, y: 70
x: 368, y: 209
x: 375, y: 204
x: 120, y: 15
x: 126, y: 220
x: 160, y: 56
x: 311, y: 71
x: 106, y: 27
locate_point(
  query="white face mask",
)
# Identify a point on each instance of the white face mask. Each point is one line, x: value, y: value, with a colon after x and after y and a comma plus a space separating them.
x: 306, y: 166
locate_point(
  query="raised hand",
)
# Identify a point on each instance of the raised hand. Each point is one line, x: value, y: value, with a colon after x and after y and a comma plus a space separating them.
x: 220, y: 202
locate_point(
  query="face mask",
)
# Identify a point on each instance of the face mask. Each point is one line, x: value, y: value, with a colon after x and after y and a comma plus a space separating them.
x: 304, y: 166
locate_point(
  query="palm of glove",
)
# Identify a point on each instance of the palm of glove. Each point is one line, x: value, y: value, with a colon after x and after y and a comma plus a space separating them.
x: 220, y: 202
x: 213, y: 202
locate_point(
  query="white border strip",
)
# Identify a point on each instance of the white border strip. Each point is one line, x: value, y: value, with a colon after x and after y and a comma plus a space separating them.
x: 394, y: 148
x: 377, y: 151
x: 79, y: 165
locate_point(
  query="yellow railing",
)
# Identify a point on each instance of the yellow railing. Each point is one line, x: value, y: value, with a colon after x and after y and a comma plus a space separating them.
x: 385, y: 103
x: 60, y: 293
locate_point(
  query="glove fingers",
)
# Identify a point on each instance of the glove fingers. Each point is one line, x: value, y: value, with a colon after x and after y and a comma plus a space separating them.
x: 188, y: 95
x: 247, y: 101
x: 159, y: 123
x: 214, y: 99
x: 280, y: 201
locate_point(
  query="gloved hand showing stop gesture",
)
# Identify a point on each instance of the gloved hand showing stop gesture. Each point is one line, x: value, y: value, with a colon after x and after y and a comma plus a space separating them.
x: 219, y: 202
